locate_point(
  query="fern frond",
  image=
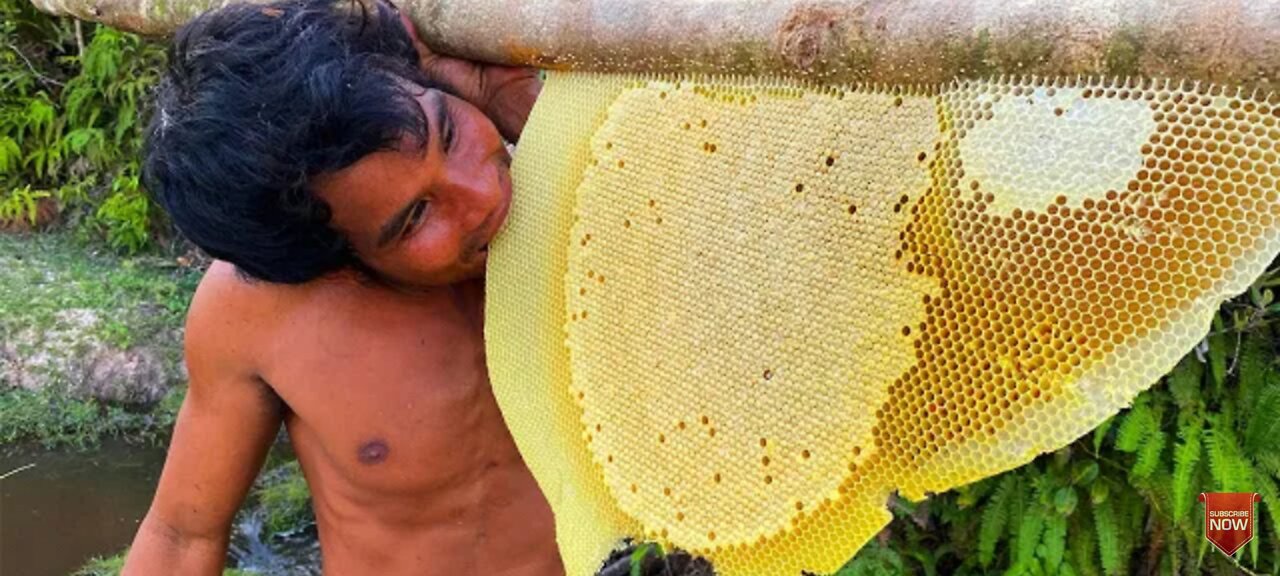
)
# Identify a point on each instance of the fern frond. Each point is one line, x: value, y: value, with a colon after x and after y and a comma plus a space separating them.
x: 1100, y: 433
x: 1268, y: 462
x: 1254, y: 363
x: 125, y: 121
x: 1186, y: 457
x: 1108, y: 536
x: 1267, y: 488
x: 77, y: 98
x: 1043, y: 487
x: 1083, y: 543
x: 10, y: 154
x: 1138, y: 423
x: 994, y: 516
x: 1027, y: 540
x: 1227, y: 467
x: 1253, y: 545
x: 1184, y: 383
x: 1149, y: 453
x: 1055, y: 541
x: 1156, y: 497
x: 1130, y: 517
x: 1214, y: 449
x: 1262, y: 432
x: 1020, y: 500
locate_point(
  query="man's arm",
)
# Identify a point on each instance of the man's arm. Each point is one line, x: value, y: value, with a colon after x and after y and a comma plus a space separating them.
x: 224, y: 429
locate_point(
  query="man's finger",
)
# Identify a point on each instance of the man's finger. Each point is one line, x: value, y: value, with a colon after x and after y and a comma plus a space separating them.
x: 423, y: 52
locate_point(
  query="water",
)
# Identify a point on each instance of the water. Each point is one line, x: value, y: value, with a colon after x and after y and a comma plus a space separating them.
x: 72, y: 505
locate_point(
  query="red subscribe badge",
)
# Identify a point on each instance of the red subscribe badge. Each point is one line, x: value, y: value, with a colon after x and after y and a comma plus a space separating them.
x: 1228, y: 519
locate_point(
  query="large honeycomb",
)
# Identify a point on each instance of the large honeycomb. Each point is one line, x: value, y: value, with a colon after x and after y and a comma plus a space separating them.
x: 734, y: 315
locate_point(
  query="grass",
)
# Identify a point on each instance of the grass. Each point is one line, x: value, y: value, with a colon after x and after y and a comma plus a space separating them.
x: 138, y: 301
x: 57, y: 421
x: 112, y: 565
x: 143, y: 298
x: 285, y: 498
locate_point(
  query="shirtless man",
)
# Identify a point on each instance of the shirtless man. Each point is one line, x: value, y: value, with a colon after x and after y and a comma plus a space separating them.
x: 310, y: 146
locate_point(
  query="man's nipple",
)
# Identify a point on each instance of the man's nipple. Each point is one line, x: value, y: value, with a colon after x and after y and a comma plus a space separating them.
x: 373, y: 452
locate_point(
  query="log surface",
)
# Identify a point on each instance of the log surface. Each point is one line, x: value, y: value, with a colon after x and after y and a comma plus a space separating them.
x: 1232, y: 42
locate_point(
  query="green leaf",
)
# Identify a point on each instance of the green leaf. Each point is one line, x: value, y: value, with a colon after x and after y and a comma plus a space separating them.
x: 1099, y: 493
x: 124, y: 122
x: 875, y: 560
x: 1262, y: 431
x: 10, y: 155
x: 1186, y: 457
x: 1253, y: 546
x: 1084, y: 472
x: 1254, y: 364
x: 1082, y: 545
x: 638, y: 555
x: 1108, y: 534
x: 1028, y: 537
x: 1100, y: 433
x: 1055, y: 542
x: 1230, y: 472
x: 1184, y: 383
x: 1138, y: 424
x: 994, y: 516
x: 1065, y: 500
x: 1148, y: 454
x: 78, y: 98
x: 1268, y: 462
x: 78, y: 140
x: 39, y: 119
x: 1270, y: 499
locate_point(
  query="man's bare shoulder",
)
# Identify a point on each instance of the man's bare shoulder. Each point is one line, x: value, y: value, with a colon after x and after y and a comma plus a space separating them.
x: 231, y: 316
x: 224, y: 295
x: 231, y: 309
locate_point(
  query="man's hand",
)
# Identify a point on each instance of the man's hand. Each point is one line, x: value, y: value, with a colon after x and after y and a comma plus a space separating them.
x: 504, y: 93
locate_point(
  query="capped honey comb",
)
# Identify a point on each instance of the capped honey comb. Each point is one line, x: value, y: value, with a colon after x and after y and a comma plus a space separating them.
x: 735, y: 315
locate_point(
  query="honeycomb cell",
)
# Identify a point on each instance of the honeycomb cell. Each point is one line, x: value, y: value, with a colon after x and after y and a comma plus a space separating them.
x: 819, y: 296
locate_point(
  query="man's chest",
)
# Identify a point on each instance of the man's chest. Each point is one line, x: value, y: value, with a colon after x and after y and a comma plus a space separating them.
x: 394, y: 398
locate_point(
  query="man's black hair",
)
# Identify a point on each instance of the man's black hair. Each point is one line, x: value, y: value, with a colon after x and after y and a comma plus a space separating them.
x: 256, y: 102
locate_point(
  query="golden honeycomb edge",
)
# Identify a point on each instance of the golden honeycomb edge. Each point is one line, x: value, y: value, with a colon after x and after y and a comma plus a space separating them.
x: 1039, y: 293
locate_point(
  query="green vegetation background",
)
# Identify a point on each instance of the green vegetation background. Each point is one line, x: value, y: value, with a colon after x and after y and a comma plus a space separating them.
x: 1122, y: 500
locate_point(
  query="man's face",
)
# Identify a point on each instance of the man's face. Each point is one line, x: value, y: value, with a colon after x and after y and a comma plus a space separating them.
x: 424, y: 217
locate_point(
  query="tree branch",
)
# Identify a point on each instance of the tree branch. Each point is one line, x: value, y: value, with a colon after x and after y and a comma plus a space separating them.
x: 1234, y: 42
x: 34, y: 71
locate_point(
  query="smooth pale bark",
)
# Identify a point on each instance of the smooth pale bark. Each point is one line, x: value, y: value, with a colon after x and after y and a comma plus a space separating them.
x: 1233, y: 42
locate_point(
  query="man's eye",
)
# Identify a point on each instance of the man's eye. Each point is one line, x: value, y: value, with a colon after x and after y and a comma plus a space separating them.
x: 415, y: 217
